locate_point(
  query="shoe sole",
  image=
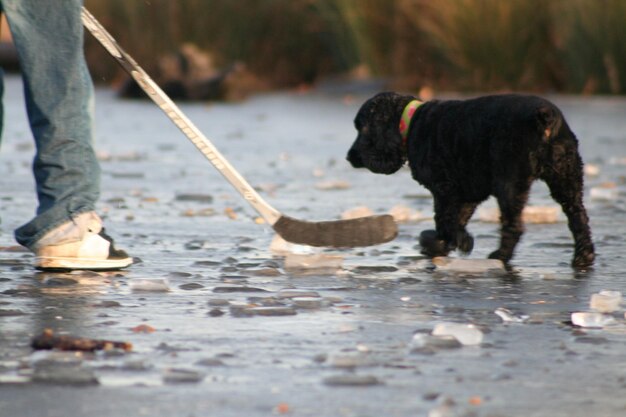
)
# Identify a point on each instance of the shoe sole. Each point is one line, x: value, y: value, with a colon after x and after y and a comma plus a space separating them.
x: 59, y: 263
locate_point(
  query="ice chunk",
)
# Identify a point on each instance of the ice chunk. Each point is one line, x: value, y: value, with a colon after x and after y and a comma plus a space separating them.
x: 149, y: 284
x: 281, y: 247
x: 332, y: 185
x: 606, y: 301
x: 606, y: 191
x: 422, y: 342
x: 592, y: 319
x: 530, y: 215
x: 592, y: 170
x: 468, y: 266
x: 404, y: 214
x: 508, y: 316
x: 356, y: 212
x: 307, y: 302
x: 317, y: 263
x: 467, y: 334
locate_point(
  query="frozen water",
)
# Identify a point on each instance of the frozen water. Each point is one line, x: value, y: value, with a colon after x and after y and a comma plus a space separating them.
x: 606, y: 301
x: 468, y: 266
x: 592, y: 319
x: 508, y: 316
x: 423, y: 341
x: 530, y: 215
x: 405, y: 214
x: 467, y: 334
x: 316, y: 262
x: 149, y: 284
x: 307, y: 302
x: 281, y: 247
x: 606, y: 192
x: 356, y: 212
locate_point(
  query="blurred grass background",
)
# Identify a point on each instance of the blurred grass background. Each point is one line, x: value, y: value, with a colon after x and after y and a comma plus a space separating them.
x: 572, y: 46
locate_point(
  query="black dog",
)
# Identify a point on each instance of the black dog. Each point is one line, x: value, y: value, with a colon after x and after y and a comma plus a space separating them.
x: 463, y: 151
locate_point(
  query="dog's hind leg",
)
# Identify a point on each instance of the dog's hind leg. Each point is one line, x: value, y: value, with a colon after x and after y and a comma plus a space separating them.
x: 465, y: 241
x: 511, y: 200
x: 565, y: 181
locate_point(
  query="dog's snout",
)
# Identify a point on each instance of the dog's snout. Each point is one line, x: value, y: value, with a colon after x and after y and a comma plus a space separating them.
x: 354, y: 157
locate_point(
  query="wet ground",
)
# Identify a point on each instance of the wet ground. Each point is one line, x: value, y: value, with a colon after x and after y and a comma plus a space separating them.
x: 228, y: 338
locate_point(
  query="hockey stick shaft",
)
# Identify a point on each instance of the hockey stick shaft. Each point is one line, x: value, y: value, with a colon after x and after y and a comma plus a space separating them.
x: 172, y: 111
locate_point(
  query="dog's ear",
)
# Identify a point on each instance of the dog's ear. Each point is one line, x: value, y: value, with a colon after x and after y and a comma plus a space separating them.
x: 379, y: 146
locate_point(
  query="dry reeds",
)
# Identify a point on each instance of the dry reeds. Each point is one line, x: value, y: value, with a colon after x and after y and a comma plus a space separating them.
x: 480, y: 45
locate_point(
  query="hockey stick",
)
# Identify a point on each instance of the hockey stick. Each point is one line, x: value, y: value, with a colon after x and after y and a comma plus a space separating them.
x: 364, y: 231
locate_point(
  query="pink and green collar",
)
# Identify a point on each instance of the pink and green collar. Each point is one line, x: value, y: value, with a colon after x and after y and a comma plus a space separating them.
x: 407, y: 115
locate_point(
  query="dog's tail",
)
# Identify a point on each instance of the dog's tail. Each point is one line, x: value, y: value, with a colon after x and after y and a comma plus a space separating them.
x: 549, y: 121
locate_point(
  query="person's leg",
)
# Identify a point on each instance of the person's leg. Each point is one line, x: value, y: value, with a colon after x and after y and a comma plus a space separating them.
x: 59, y: 98
x: 59, y: 95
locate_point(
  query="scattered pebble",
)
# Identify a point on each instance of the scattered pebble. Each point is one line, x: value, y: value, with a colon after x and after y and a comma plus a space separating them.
x: 11, y: 312
x: 218, y: 302
x: 191, y: 286
x: 271, y: 311
x: 350, y: 380
x: 236, y: 289
x: 295, y: 293
x: 199, y: 198
x: 182, y: 376
x: 215, y: 312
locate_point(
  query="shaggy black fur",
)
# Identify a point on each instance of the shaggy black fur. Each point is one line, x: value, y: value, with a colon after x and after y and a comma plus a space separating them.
x: 463, y: 151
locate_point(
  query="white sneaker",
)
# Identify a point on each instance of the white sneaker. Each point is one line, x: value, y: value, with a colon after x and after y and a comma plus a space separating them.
x: 79, y: 244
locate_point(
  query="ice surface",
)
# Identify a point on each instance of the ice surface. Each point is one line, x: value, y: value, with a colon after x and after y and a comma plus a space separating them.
x: 467, y: 334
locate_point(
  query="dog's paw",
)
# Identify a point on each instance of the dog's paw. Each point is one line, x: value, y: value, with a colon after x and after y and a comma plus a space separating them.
x: 431, y: 244
x: 465, y: 242
x: 583, y: 260
x: 498, y: 254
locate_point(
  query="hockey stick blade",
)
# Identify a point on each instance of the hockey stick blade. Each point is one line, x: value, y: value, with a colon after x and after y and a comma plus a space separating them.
x: 365, y: 231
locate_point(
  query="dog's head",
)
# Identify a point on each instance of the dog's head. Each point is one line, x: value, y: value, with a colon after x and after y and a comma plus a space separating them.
x: 379, y: 146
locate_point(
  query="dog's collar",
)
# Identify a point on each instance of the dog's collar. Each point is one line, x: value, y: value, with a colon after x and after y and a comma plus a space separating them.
x: 407, y: 115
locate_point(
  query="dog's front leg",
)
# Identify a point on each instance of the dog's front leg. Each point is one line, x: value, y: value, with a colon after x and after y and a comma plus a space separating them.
x: 450, y: 219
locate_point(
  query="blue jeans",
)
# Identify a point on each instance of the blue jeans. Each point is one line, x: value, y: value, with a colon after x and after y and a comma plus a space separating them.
x: 59, y: 95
